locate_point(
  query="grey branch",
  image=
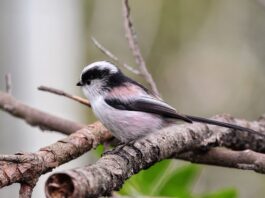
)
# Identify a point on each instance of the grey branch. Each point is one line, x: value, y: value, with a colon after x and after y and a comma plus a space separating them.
x: 35, y: 117
x: 63, y: 93
x: 246, y: 160
x: 110, y: 171
x: 134, y: 46
x: 216, y: 136
x: 26, y: 168
x: 194, y: 143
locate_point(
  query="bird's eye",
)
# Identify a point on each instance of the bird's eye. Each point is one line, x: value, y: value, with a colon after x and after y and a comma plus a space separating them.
x: 88, y: 82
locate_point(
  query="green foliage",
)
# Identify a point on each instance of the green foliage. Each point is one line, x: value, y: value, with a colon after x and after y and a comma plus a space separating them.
x: 99, y: 150
x: 164, y: 179
x: 226, y: 193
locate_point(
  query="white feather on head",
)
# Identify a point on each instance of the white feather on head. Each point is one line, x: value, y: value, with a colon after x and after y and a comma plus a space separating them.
x: 101, y: 65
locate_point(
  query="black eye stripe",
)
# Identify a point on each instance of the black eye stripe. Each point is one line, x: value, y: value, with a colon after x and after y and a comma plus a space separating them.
x: 95, y: 73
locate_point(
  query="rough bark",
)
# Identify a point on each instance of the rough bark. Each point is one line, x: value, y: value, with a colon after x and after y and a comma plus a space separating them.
x: 110, y: 171
x: 26, y: 168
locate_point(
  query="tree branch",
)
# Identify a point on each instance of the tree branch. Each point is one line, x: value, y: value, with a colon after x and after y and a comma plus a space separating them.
x: 110, y: 172
x: 113, y: 57
x: 35, y: 117
x: 134, y: 46
x: 251, y: 140
x: 189, y: 142
x: 246, y: 160
x: 26, y: 168
x: 63, y: 93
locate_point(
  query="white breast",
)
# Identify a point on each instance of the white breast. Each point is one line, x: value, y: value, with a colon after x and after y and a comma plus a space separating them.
x: 126, y: 125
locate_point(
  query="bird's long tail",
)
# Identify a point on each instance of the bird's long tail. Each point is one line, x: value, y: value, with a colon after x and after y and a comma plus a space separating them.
x: 222, y: 124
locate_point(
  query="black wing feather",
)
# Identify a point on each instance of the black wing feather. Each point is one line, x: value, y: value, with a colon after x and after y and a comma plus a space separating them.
x: 146, y: 106
x: 151, y: 105
x: 222, y: 124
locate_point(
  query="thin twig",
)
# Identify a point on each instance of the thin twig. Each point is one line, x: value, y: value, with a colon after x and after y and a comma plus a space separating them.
x: 134, y: 46
x: 246, y: 160
x: 8, y: 81
x: 63, y: 93
x: 113, y: 57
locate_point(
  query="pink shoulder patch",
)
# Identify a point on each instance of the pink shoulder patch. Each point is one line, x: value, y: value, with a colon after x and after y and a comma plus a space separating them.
x: 127, y: 90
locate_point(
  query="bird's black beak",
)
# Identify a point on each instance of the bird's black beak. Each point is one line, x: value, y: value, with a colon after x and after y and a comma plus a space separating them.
x: 79, y: 84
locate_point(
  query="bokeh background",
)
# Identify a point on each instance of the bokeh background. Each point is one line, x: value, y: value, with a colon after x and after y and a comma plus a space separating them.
x: 207, y: 57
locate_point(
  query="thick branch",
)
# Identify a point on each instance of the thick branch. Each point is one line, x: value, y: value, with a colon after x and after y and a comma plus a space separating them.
x: 35, y: 117
x: 237, y: 140
x: 25, y: 168
x: 110, y: 172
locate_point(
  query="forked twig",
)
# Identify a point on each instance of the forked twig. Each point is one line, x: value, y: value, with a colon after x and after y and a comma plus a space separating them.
x: 113, y: 57
x: 134, y: 46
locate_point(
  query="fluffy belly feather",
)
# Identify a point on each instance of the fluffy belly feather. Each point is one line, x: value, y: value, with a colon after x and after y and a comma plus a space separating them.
x: 127, y: 125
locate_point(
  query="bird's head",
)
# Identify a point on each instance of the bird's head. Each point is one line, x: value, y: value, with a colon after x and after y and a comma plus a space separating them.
x: 99, y: 77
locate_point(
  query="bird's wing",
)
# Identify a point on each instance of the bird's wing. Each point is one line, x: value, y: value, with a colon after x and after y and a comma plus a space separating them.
x: 144, y: 103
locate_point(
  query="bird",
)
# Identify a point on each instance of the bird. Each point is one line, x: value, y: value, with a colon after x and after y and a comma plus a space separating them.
x: 128, y: 109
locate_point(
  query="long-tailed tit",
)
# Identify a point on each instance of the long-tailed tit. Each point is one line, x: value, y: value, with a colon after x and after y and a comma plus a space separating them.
x: 127, y: 108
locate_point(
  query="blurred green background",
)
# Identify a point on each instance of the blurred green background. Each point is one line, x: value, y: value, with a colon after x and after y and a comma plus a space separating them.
x: 207, y: 57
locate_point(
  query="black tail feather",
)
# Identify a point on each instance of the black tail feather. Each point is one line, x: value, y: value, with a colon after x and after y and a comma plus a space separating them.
x: 222, y: 124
